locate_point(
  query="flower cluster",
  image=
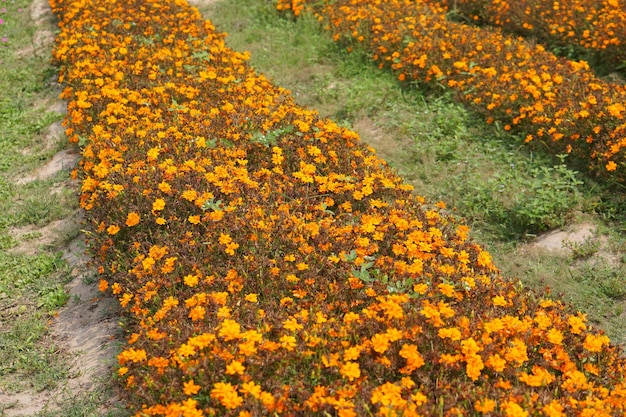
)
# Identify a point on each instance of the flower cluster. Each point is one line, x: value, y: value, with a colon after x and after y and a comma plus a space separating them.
x: 552, y: 102
x: 596, y: 28
x: 268, y: 263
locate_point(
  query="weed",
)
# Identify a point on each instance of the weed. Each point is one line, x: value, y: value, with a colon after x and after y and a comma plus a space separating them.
x: 583, y: 250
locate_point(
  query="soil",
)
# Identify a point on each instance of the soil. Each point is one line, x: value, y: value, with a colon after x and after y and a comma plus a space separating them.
x: 85, y: 328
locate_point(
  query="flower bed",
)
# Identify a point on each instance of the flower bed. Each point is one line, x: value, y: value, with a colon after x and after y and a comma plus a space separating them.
x: 557, y: 104
x: 594, y: 28
x: 268, y: 263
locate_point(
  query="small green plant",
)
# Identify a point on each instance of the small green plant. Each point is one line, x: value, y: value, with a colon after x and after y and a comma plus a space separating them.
x: 583, y: 250
x: 271, y: 137
x: 54, y: 298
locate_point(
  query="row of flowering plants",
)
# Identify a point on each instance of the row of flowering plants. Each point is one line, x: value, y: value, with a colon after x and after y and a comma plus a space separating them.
x: 268, y: 263
x: 595, y: 29
x: 557, y: 104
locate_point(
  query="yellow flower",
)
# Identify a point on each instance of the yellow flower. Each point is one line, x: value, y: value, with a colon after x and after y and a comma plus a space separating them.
x: 190, y: 388
x: 611, y: 166
x: 132, y: 219
x: 496, y: 362
x: 577, y: 323
x: 555, y: 336
x: 252, y: 298
x: 251, y: 388
x: 191, y: 280
x: 512, y: 409
x: 350, y: 370
x: 484, y: 406
x: 499, y: 301
x: 380, y: 342
x: 113, y: 229
x: 288, y: 342
x: 229, y: 330
x: 538, y: 378
x: 595, y: 343
x: 197, y: 313
x: 452, y: 333
x: 292, y: 324
x: 554, y: 409
x: 387, y: 394
x: 158, y: 205
x: 226, y: 394
x: 474, y: 364
x: 516, y: 352
x: 414, y: 359
x: 235, y: 367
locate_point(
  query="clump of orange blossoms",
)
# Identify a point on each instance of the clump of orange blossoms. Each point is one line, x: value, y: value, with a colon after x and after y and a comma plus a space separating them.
x: 268, y: 263
x: 595, y: 29
x: 551, y: 102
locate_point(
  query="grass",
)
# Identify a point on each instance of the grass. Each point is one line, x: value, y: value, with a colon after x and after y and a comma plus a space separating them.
x: 32, y: 286
x: 506, y: 192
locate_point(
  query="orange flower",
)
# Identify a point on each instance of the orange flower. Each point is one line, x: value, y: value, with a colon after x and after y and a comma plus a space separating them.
x: 484, y: 406
x: 595, y: 343
x: 226, y: 394
x: 113, y: 229
x: 158, y: 205
x: 103, y: 285
x: 235, y: 367
x: 190, y: 388
x: 132, y: 219
x: 350, y: 370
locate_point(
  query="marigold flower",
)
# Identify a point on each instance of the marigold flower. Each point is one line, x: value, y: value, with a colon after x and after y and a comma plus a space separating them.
x: 452, y: 333
x: 350, y: 370
x: 103, y: 285
x: 380, y: 342
x: 252, y: 298
x: 190, y: 387
x: 554, y: 409
x: 484, y: 406
x: 158, y: 204
x: 288, y: 342
x: 251, y: 388
x: 516, y: 352
x: 555, y: 336
x: 226, y: 394
x: 499, y: 301
x: 512, y: 409
x: 132, y: 219
x: 229, y: 330
x: 595, y: 343
x: 611, y: 166
x: 413, y: 358
x: 197, y: 313
x: 496, y: 362
x: 538, y: 378
x: 113, y: 229
x: 235, y: 367
x: 191, y: 280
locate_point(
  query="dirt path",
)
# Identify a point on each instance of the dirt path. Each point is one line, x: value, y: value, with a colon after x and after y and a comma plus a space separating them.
x: 85, y: 329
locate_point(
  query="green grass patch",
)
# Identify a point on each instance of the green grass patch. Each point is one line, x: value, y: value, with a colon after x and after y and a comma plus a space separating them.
x: 31, y: 286
x: 506, y: 192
